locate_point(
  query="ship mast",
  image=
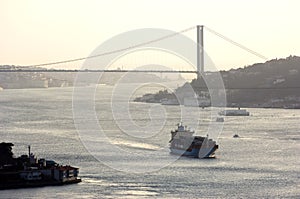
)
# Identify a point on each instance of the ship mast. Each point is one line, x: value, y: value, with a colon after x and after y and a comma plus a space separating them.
x: 28, y: 150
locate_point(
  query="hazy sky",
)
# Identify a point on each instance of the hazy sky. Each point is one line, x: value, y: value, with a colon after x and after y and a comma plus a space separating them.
x: 38, y: 31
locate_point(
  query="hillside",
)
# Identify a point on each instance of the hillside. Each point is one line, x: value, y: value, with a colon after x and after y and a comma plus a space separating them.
x: 275, y: 83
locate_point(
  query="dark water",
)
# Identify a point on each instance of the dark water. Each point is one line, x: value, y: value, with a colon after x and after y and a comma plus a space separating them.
x: 263, y: 163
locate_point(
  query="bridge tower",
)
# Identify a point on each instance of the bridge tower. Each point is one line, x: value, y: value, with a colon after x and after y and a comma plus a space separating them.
x: 200, y: 51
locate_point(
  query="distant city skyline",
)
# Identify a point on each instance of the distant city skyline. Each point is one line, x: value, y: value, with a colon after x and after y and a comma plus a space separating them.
x: 35, y: 32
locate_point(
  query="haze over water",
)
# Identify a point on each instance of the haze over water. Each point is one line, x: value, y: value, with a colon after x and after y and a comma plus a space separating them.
x: 263, y: 163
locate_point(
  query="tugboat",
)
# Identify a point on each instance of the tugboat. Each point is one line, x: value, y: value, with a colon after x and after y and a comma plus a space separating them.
x: 28, y: 171
x: 184, y: 143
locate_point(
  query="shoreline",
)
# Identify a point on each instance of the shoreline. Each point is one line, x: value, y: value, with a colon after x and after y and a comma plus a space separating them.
x: 231, y: 107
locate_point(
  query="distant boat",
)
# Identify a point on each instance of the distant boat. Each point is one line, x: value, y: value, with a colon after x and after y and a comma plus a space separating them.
x: 234, y: 112
x: 184, y: 143
x: 292, y: 106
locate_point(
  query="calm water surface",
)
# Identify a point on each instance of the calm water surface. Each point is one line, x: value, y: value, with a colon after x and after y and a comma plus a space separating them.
x: 263, y: 163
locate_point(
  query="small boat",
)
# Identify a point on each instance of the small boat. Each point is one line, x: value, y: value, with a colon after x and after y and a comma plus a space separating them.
x: 292, y: 106
x: 184, y: 143
x: 234, y: 112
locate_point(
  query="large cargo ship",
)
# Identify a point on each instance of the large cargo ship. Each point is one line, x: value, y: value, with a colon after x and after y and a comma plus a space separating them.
x: 28, y: 171
x: 184, y: 143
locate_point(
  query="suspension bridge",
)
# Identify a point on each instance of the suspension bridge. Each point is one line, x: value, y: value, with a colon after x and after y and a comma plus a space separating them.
x: 200, y: 56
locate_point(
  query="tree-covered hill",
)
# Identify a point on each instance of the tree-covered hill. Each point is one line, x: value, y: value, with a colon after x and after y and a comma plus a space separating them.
x: 275, y: 83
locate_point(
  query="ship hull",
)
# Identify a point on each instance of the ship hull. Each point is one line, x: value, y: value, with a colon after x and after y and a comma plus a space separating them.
x: 21, y: 184
x: 195, y: 152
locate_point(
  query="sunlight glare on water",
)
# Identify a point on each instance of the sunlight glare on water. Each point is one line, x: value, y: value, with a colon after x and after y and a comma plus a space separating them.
x: 263, y: 162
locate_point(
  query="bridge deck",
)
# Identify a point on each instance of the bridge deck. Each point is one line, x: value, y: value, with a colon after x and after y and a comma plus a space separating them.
x: 98, y: 71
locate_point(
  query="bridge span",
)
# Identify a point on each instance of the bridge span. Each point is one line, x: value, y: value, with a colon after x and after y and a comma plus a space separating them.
x: 98, y: 71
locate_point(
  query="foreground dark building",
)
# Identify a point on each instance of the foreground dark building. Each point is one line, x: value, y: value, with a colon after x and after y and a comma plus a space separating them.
x: 28, y: 171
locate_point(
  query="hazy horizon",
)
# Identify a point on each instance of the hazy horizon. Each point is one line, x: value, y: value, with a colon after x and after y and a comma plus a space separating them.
x: 37, y: 32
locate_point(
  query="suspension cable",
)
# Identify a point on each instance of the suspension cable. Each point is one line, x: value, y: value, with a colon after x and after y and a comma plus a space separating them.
x: 236, y: 43
x: 115, y: 51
